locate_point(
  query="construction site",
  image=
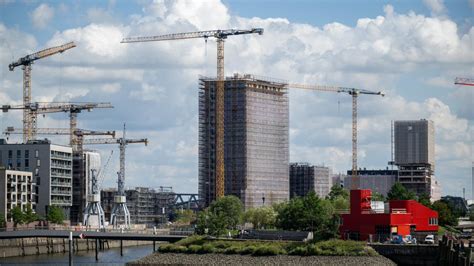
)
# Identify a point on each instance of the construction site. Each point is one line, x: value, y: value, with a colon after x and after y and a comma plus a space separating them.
x: 243, y: 146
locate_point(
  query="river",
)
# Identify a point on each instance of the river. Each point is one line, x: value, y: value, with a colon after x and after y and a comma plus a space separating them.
x: 106, y: 257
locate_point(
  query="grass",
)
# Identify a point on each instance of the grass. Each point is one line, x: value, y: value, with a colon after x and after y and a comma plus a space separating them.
x: 202, y: 245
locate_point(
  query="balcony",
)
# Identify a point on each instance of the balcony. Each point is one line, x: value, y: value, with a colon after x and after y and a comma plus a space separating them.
x: 61, y: 184
x: 60, y: 192
x: 61, y: 202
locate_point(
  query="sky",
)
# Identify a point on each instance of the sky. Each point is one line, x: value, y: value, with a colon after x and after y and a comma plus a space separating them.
x: 412, y: 50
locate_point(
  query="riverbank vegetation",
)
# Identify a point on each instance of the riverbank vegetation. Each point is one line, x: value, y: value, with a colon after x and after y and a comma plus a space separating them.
x: 203, y: 245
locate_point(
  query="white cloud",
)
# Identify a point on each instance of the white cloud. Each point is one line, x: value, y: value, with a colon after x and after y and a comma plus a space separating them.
x: 42, y: 15
x: 436, y: 6
x: 111, y: 87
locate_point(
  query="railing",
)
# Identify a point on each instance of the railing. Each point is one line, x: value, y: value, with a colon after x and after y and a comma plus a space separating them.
x: 61, y: 184
x: 61, y: 202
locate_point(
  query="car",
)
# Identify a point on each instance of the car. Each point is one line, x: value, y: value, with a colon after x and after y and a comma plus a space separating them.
x: 429, y: 239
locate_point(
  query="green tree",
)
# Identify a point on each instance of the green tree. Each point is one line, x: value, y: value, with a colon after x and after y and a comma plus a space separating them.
x: 340, y: 203
x: 55, y: 215
x: 377, y: 196
x: 309, y: 213
x: 399, y: 192
x: 2, y: 221
x: 425, y: 200
x: 17, y: 215
x: 29, y: 216
x: 337, y: 191
x: 263, y: 217
x: 222, y: 215
x: 185, y: 216
x: 445, y: 215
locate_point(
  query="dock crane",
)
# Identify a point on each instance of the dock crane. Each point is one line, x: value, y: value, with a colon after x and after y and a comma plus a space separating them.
x: 120, y: 206
x: 73, y: 109
x: 220, y: 35
x: 464, y: 81
x: 354, y: 93
x: 29, y: 122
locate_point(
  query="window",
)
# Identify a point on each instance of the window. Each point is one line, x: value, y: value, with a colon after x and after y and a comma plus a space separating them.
x: 27, y: 153
x: 27, y: 163
x: 10, y: 154
x: 18, y: 153
x: 38, y: 163
x: 36, y: 153
x: 37, y: 171
x: 18, y: 162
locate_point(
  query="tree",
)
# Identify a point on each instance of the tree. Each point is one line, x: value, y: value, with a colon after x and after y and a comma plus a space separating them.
x: 399, y: 192
x: 29, y: 216
x: 263, y: 217
x: 2, y: 221
x: 377, y: 196
x: 223, y: 214
x: 17, y: 215
x: 337, y: 191
x: 55, y: 215
x: 309, y: 213
x: 445, y: 215
x: 185, y: 216
x: 425, y: 200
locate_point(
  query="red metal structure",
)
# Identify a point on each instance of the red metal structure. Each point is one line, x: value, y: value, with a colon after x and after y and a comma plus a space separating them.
x: 402, y: 217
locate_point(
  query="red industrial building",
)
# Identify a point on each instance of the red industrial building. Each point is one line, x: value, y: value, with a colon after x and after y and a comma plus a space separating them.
x: 400, y: 217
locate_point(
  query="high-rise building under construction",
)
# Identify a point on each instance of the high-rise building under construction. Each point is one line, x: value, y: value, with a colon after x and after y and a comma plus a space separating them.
x: 256, y: 154
x: 415, y: 156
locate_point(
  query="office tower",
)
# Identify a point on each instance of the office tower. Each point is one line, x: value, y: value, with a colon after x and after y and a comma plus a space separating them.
x: 305, y: 178
x: 415, y: 155
x: 380, y: 181
x: 255, y: 144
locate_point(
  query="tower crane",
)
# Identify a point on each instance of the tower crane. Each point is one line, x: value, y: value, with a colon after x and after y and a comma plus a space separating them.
x: 119, y: 200
x: 73, y: 109
x: 464, y: 81
x: 354, y: 93
x: 220, y: 35
x: 28, y: 121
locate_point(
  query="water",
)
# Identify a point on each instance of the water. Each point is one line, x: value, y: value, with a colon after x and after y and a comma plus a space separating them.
x: 106, y: 257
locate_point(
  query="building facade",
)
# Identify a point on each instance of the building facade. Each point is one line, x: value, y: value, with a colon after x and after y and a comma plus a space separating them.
x: 16, y: 189
x: 256, y: 153
x: 401, y: 217
x: 81, y: 181
x: 380, y: 181
x: 305, y: 178
x: 415, y: 155
x: 51, y: 166
x: 146, y: 205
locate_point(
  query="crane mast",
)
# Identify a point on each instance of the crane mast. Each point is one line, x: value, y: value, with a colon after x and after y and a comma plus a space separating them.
x: 120, y: 206
x: 220, y: 35
x: 355, y: 182
x: 29, y: 122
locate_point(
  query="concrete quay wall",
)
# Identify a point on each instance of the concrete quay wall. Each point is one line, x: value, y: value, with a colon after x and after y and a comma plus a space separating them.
x: 41, y: 245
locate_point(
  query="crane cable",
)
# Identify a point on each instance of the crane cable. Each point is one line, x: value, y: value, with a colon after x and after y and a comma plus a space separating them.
x: 101, y: 173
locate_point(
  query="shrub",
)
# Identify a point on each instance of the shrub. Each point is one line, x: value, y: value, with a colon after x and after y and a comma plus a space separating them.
x: 192, y: 240
x: 237, y: 249
x: 298, y: 251
x: 208, y: 248
x: 268, y: 250
x: 165, y: 248
x: 248, y: 250
x: 195, y: 249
